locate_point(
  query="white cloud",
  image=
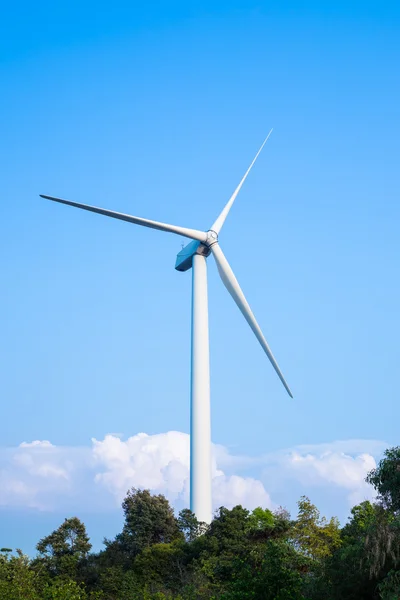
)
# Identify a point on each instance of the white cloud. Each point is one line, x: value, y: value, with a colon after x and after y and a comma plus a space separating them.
x: 158, y: 462
x: 331, y: 468
x: 36, y: 444
x: 38, y: 474
x: 46, y: 477
x: 233, y: 490
x: 161, y: 463
x: 41, y: 465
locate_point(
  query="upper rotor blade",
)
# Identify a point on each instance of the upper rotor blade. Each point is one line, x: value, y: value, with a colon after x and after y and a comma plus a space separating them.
x: 217, y: 226
x: 235, y: 291
x: 194, y: 234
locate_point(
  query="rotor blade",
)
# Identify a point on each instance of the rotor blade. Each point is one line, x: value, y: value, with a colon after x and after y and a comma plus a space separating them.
x: 235, y: 291
x: 217, y: 226
x: 194, y: 234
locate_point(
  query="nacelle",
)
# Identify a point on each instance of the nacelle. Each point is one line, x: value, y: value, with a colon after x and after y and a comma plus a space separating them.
x: 184, y: 258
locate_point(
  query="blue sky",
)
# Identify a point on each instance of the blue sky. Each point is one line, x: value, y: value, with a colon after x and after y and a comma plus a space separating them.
x: 157, y: 110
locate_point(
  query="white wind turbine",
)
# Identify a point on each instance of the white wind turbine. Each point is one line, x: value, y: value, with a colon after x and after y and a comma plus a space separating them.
x: 194, y: 256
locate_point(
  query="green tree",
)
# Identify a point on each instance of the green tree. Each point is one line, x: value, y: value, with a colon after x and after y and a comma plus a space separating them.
x: 225, y: 540
x: 190, y: 526
x: 386, y: 479
x: 17, y: 580
x: 389, y: 588
x: 315, y: 536
x: 116, y: 583
x: 162, y: 567
x: 347, y: 573
x: 261, y: 519
x: 263, y: 524
x: 62, y: 589
x: 382, y: 542
x: 275, y: 573
x: 148, y: 520
x: 65, y: 548
x: 362, y: 517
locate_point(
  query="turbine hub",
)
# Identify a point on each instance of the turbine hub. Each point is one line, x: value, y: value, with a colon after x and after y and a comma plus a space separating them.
x: 212, y: 238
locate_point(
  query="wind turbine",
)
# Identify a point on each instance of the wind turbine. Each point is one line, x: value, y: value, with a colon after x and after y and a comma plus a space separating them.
x: 193, y: 256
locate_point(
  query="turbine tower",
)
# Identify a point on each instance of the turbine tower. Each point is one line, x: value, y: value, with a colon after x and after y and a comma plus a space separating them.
x: 194, y: 256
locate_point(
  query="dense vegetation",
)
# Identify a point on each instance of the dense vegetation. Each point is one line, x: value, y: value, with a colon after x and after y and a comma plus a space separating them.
x: 241, y: 555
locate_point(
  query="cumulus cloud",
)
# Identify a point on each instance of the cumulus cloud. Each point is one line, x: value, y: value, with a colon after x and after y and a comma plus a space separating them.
x: 36, y: 444
x: 37, y: 474
x: 161, y: 463
x: 21, y: 485
x: 157, y: 462
x: 340, y: 469
x: 46, y: 477
x: 233, y: 490
x: 329, y: 469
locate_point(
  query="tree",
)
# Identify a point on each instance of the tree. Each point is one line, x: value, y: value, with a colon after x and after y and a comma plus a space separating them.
x: 389, y: 588
x: 382, y: 542
x: 362, y: 517
x: 17, y: 580
x: 64, y: 548
x: 225, y: 540
x: 354, y: 569
x: 386, y: 479
x: 275, y: 573
x: 315, y: 536
x: 261, y: 519
x: 190, y: 526
x: 62, y: 589
x: 148, y: 520
x: 117, y: 583
x: 161, y: 567
x: 263, y: 524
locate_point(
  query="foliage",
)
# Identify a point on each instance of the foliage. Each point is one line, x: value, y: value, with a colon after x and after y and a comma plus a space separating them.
x: 389, y: 588
x: 382, y: 542
x: 386, y: 479
x: 17, y: 580
x: 64, y: 549
x: 149, y: 520
x: 315, y: 536
x: 275, y: 573
x: 190, y: 526
x: 61, y: 589
x: 346, y: 573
